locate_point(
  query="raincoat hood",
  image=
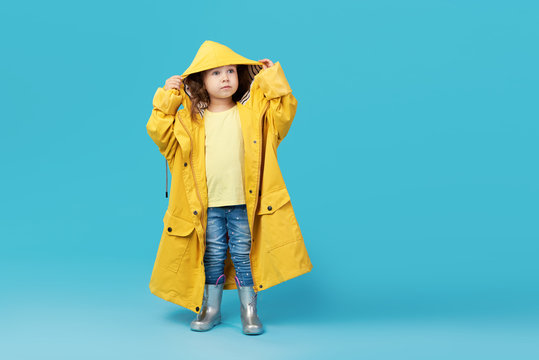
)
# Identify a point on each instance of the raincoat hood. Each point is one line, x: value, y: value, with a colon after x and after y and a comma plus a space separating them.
x: 211, y: 54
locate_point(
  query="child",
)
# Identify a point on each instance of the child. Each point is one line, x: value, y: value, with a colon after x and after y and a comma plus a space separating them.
x: 228, y: 201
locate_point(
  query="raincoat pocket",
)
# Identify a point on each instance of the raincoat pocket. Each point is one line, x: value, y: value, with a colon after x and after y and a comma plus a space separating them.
x: 177, y: 234
x: 276, y: 216
x: 271, y: 202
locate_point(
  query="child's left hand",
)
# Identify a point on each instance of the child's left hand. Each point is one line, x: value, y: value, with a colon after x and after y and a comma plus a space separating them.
x: 266, y: 63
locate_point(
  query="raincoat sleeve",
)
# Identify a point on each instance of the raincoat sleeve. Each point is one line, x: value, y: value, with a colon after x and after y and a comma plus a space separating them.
x: 160, y: 126
x: 282, y: 104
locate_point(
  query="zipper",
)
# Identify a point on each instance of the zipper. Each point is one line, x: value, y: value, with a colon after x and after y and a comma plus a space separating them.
x: 195, y: 181
x: 260, y: 135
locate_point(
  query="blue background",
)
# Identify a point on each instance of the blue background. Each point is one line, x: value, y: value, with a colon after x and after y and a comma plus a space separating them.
x: 411, y: 164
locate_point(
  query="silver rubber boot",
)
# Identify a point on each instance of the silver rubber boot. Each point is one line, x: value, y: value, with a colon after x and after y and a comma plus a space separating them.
x: 249, y: 318
x: 210, y: 314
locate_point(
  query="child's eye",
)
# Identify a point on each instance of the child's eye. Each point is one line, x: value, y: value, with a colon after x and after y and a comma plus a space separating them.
x: 215, y: 72
x: 231, y: 70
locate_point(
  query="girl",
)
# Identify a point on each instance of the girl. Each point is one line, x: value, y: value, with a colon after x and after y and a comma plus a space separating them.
x: 230, y: 222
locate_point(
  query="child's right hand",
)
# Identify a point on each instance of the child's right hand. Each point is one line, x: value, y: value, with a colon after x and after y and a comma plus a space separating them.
x: 173, y: 82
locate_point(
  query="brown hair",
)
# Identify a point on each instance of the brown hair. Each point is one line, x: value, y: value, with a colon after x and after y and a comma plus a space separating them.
x: 200, y: 99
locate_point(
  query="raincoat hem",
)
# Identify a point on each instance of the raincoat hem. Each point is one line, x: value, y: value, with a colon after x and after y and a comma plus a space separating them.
x: 174, y: 299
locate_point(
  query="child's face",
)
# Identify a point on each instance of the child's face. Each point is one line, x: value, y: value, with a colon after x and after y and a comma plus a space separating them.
x: 221, y: 82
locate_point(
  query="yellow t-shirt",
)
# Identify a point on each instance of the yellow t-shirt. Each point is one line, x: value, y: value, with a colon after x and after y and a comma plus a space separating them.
x: 224, y: 157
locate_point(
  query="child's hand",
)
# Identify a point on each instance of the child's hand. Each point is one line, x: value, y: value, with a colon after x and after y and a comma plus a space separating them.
x: 266, y: 63
x: 174, y: 82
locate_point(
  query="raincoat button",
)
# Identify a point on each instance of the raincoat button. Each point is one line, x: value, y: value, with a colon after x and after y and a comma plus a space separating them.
x: 260, y: 286
x: 169, y: 229
x: 197, y: 308
x: 269, y: 207
x: 251, y: 191
x: 254, y: 141
x: 184, y: 164
x: 195, y: 212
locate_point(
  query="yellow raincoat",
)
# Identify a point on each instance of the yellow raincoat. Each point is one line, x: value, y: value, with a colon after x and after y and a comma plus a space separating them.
x: 266, y: 111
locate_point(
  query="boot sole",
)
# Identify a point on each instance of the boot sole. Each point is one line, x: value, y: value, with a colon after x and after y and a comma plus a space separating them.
x: 204, y: 329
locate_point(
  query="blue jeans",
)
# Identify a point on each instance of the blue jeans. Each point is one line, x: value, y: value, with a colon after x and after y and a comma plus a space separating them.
x: 234, y: 219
